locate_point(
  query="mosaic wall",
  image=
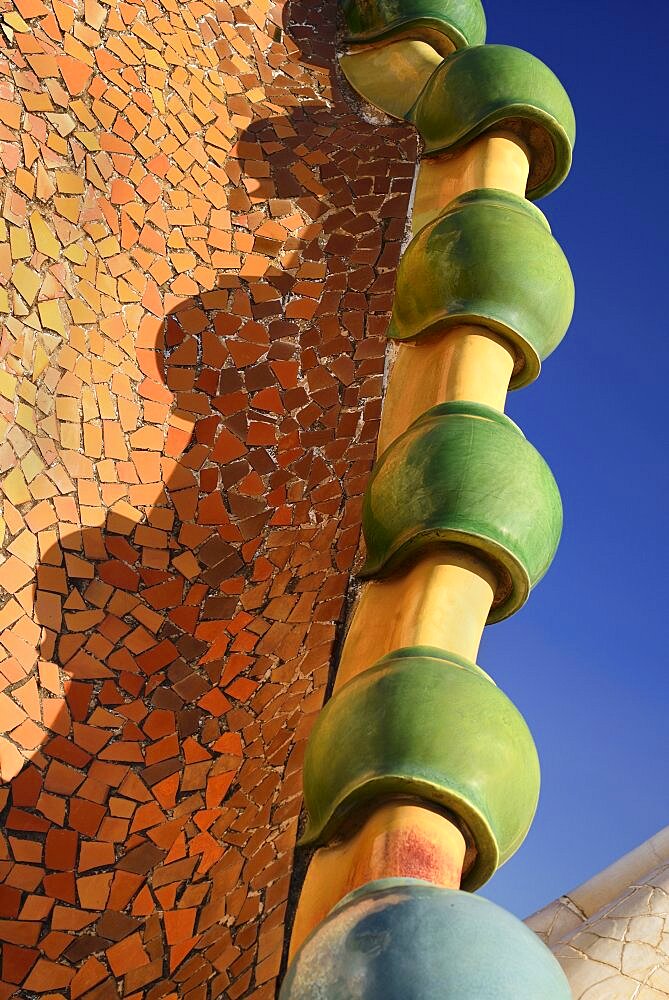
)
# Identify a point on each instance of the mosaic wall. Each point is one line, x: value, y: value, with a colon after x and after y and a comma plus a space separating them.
x: 198, y: 238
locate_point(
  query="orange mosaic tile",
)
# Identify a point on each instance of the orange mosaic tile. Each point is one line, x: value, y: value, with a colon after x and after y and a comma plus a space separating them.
x: 198, y: 237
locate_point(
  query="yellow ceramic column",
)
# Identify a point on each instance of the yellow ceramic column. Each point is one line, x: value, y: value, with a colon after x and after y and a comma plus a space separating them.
x: 494, y: 160
x: 465, y: 362
x: 444, y: 599
x: 398, y: 839
x: 470, y: 362
x: 391, y: 77
x: 398, y: 781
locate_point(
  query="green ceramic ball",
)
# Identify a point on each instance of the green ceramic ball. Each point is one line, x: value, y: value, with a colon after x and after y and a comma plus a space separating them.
x: 488, y: 259
x: 426, y: 725
x: 448, y: 24
x: 464, y: 474
x: 499, y: 87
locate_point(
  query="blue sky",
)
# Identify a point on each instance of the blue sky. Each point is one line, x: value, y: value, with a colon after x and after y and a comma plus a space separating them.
x: 586, y: 661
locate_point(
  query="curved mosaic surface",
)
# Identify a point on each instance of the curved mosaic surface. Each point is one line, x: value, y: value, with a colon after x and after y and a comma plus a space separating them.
x: 611, y: 935
x: 196, y: 236
x: 622, y: 951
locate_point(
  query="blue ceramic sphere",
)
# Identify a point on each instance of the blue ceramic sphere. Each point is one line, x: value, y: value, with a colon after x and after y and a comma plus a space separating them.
x: 404, y: 939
